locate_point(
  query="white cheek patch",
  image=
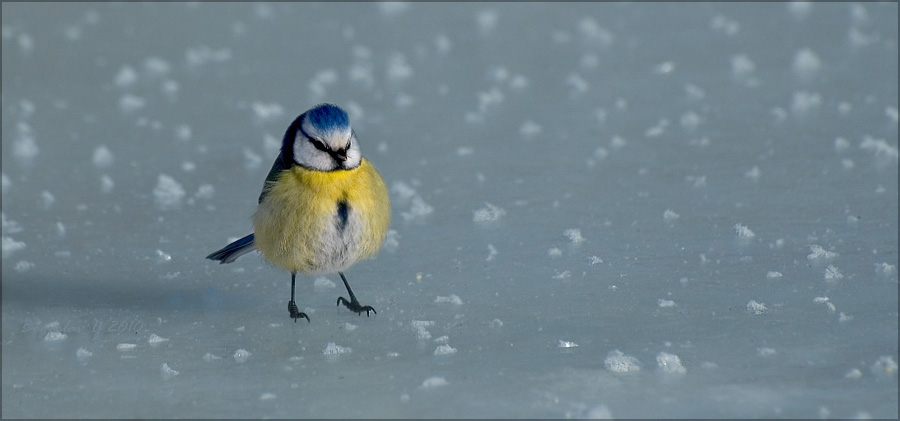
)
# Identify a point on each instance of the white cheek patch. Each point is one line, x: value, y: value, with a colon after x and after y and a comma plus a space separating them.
x: 353, y: 157
x: 308, y: 156
x: 301, y: 145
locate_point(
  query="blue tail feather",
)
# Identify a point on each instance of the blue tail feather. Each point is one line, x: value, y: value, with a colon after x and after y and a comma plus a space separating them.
x: 234, y: 250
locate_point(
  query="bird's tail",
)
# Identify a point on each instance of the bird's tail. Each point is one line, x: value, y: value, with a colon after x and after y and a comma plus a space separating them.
x: 234, y: 250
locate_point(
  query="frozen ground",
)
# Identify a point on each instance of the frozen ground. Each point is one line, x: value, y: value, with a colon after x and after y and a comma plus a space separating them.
x: 600, y: 210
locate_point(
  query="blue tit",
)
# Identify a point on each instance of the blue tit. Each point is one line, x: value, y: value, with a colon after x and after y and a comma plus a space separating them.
x: 323, y: 206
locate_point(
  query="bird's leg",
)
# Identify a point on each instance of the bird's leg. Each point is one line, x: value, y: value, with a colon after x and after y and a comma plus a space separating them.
x: 292, y: 306
x: 353, y: 304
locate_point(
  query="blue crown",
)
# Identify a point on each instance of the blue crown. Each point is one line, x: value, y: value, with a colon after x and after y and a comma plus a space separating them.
x: 328, y: 117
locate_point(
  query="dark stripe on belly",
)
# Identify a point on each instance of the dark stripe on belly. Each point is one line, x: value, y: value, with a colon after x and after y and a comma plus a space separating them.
x: 343, y: 214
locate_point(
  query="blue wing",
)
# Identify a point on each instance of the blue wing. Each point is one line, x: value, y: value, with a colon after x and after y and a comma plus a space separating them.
x: 234, y: 250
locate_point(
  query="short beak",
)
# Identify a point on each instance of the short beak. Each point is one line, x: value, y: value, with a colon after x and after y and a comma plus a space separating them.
x: 340, y: 155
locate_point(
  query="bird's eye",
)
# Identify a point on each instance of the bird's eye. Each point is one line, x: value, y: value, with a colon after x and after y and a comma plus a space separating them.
x: 319, y: 145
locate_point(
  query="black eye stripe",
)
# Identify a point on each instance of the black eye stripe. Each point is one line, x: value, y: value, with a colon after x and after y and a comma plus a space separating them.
x: 319, y: 145
x: 338, y: 154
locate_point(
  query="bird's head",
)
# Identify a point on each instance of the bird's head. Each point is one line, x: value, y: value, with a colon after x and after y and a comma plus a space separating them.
x: 321, y: 139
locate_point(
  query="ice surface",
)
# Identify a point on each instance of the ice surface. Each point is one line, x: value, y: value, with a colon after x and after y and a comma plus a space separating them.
x: 819, y: 254
x: 617, y: 362
x: 766, y: 351
x: 167, y: 372
x: 23, y: 265
x: 242, y: 355
x: 106, y: 184
x: 880, y: 148
x: 8, y: 225
x: 885, y: 268
x: 806, y: 64
x: 333, y: 349
x: 669, y: 363
x: 323, y: 283
x: 666, y: 303
x: 743, y: 232
x: 202, y: 54
x: 492, y: 252
x: 168, y: 192
x: 47, y: 199
x: 126, y: 77
x: 742, y: 68
x: 83, y: 354
x: 452, y: 299
x: 444, y: 350
x: 805, y: 102
x: 885, y: 366
x: 756, y: 308
x: 6, y: 183
x: 574, y: 235
x: 11, y: 246
x: 126, y: 347
x: 25, y: 148
x: 567, y: 344
x: 55, y: 336
x: 489, y: 213
x: 102, y: 157
x: 530, y: 129
x: 670, y: 216
x: 832, y: 273
x: 435, y: 381
x: 572, y: 174
x: 268, y: 111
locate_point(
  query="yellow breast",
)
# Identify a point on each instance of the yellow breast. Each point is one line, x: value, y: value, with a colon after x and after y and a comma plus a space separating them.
x: 298, y: 225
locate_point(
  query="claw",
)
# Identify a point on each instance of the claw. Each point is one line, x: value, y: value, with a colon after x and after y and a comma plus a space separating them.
x: 355, y: 306
x: 295, y: 312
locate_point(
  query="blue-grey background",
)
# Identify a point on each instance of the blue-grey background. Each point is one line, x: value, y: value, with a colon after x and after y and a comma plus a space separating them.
x: 600, y: 210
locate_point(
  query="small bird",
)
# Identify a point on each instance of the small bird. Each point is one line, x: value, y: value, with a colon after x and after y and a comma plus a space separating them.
x: 323, y: 206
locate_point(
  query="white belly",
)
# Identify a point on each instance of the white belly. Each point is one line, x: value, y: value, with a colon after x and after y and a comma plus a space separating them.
x: 339, y: 243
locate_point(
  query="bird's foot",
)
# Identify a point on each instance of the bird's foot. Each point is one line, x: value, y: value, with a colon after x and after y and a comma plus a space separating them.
x: 355, y: 306
x: 295, y: 312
